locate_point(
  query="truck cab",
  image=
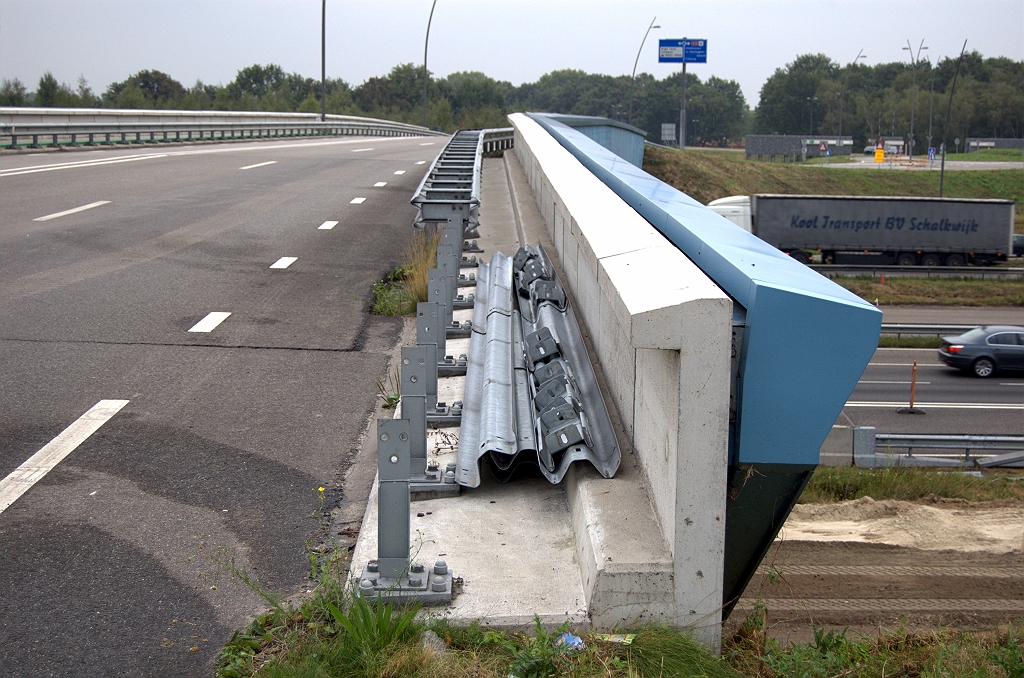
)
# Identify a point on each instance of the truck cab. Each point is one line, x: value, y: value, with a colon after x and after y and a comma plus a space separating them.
x: 735, y: 208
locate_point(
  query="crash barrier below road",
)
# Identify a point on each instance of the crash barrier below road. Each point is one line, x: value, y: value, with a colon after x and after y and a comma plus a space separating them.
x: 36, y: 127
x: 743, y: 463
x: 863, y: 447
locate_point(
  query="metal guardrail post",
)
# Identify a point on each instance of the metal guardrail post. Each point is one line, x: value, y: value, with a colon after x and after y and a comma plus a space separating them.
x: 393, y: 576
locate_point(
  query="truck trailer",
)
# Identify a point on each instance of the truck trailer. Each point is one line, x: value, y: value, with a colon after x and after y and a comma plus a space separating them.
x: 876, y: 230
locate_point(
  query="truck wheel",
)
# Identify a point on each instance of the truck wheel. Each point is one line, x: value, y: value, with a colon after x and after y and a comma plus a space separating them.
x: 801, y: 256
x: 955, y: 260
x: 906, y: 259
x: 983, y: 367
x: 931, y: 260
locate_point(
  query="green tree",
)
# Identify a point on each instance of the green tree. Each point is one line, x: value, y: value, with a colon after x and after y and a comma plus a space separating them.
x: 13, y: 93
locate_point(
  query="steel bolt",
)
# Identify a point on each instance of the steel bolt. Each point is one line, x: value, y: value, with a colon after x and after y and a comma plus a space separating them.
x: 438, y: 585
x: 417, y: 567
x: 449, y: 477
x: 365, y: 586
x: 440, y: 567
x: 372, y: 566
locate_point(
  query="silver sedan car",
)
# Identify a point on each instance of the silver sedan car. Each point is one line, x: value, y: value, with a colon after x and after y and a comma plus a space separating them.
x: 985, y: 350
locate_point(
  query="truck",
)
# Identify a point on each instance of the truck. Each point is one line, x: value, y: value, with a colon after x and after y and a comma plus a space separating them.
x: 847, y: 229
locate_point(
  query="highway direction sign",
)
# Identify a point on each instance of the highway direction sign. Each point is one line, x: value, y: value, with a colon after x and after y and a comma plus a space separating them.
x: 690, y: 51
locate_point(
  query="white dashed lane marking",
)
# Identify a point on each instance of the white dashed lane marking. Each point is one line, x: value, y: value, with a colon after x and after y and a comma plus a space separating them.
x: 327, y: 225
x: 259, y: 164
x: 422, y: 162
x: 429, y: 143
x: 42, y: 462
x: 357, y: 201
x: 284, y: 262
x: 361, y: 150
x: 72, y: 211
x: 400, y: 172
x: 211, y: 321
x: 380, y: 184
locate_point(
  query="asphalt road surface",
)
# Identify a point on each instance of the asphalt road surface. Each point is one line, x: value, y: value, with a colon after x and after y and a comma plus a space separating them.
x: 231, y: 385
x: 955, y: 402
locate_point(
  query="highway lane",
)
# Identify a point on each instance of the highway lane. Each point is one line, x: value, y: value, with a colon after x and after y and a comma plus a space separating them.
x: 955, y: 402
x: 118, y: 560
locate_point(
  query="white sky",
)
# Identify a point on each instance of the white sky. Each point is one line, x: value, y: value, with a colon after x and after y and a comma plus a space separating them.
x: 210, y: 40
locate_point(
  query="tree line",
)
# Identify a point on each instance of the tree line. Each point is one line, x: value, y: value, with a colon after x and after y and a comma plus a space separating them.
x: 813, y: 94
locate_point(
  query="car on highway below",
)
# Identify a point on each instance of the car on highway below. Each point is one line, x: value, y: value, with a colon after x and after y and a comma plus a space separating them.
x: 985, y: 350
x: 1018, y: 244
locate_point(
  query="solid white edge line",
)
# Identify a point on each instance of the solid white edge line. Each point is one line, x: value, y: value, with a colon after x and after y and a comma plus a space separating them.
x: 42, y: 462
x: 284, y: 262
x: 210, y: 321
x: 259, y: 164
x: 15, y: 171
x: 72, y: 211
x: 938, y: 406
x: 428, y: 143
x: 380, y: 184
x: 357, y: 201
x: 867, y: 381
x: 327, y: 225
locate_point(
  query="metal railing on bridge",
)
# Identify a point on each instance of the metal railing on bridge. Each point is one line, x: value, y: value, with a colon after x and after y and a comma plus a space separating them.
x: 36, y: 127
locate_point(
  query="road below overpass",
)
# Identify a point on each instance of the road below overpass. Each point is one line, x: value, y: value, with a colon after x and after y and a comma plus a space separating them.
x: 953, y: 401
x: 213, y: 301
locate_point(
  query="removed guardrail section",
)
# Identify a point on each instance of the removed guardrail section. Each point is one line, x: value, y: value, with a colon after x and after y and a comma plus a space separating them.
x: 787, y: 317
x: 58, y: 127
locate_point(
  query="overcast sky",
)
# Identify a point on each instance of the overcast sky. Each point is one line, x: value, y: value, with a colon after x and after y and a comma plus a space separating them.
x: 210, y: 40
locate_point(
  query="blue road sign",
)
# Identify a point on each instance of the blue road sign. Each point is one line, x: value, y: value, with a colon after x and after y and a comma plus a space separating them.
x: 691, y: 51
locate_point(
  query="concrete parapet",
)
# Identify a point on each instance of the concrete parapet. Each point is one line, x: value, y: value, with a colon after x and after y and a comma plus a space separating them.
x: 662, y: 335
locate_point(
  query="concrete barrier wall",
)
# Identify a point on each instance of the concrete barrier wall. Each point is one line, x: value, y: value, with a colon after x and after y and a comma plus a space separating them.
x: 662, y: 334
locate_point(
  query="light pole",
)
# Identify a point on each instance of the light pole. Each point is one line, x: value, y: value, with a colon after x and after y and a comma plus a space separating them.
x: 812, y: 100
x: 426, y: 42
x: 632, y: 81
x: 323, y: 61
x: 931, y: 90
x: 913, y: 88
x: 842, y: 94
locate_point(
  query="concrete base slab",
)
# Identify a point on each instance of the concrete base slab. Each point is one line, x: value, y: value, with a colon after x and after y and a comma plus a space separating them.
x: 511, y: 545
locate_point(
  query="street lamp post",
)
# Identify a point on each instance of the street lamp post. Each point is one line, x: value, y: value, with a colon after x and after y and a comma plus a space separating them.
x: 913, y: 89
x: 931, y: 90
x: 842, y: 94
x: 323, y: 61
x: 632, y: 81
x: 426, y: 42
x: 812, y: 100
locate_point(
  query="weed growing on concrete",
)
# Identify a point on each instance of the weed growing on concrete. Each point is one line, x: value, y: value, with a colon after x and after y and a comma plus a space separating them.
x: 419, y: 257
x: 390, y: 296
x: 390, y: 393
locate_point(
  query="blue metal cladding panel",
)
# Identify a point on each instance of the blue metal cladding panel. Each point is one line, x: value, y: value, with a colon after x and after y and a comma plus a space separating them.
x: 806, y: 341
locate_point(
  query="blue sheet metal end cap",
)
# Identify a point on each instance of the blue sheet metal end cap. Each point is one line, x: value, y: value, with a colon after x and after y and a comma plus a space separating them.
x: 802, y: 358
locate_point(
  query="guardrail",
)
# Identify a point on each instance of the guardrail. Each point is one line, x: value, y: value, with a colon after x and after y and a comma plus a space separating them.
x: 910, y: 329
x: 967, y: 443
x: 34, y: 128
x: 982, y: 272
x: 498, y: 139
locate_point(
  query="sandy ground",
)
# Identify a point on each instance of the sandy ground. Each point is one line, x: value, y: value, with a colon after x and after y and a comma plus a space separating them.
x: 959, y: 526
x: 873, y: 565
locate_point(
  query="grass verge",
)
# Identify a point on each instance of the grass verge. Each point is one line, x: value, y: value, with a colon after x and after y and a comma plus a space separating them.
x: 945, y: 652
x: 402, y: 288
x: 934, y: 291
x: 836, y: 483
x: 707, y: 176
x: 890, y: 341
